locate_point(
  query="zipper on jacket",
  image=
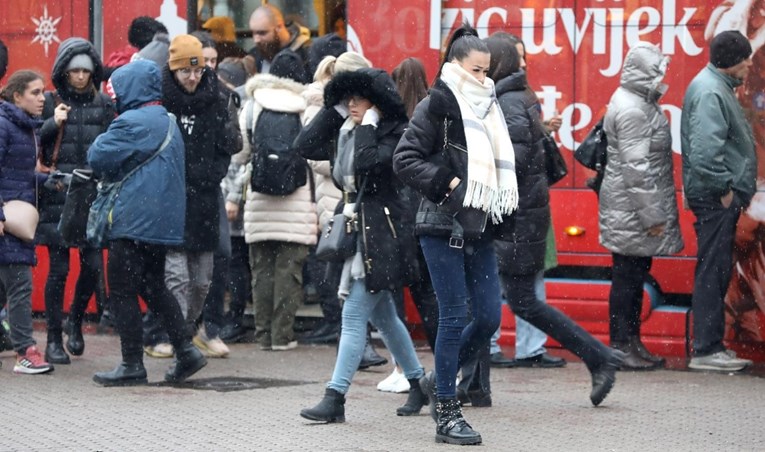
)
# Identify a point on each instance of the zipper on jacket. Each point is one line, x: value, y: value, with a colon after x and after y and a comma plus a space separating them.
x: 390, y: 223
x: 367, y: 260
x: 458, y: 147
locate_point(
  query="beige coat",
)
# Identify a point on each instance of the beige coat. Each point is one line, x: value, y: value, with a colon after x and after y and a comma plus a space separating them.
x: 290, y: 218
x: 327, y: 194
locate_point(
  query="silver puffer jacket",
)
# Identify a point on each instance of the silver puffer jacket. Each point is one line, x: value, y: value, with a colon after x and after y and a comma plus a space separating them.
x: 638, y: 190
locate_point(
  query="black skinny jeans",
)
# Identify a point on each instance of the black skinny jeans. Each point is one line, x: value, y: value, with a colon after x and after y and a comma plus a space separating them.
x: 135, y: 269
x: 520, y: 295
x: 89, y: 281
x: 625, y: 302
x: 239, y: 280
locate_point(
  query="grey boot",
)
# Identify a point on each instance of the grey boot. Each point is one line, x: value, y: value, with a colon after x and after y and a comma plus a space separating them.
x: 415, y: 401
x: 330, y: 409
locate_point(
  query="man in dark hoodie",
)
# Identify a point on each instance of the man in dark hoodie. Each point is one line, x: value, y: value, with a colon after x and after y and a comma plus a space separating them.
x: 274, y: 38
x: 191, y: 92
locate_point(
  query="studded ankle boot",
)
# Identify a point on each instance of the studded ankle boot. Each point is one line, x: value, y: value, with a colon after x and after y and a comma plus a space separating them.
x: 415, y: 401
x: 330, y: 409
x: 451, y: 427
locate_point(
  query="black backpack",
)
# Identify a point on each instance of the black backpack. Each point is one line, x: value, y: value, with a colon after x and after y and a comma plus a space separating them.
x: 277, y: 168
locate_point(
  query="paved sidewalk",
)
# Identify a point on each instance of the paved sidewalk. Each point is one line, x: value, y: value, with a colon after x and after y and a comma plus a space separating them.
x: 534, y: 410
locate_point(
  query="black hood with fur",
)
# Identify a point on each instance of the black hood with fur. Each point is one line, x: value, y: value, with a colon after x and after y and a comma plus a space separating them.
x: 371, y: 83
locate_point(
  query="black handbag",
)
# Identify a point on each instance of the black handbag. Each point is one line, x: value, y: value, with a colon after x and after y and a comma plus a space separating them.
x: 555, y: 165
x: 80, y: 195
x: 339, y: 236
x: 592, y: 152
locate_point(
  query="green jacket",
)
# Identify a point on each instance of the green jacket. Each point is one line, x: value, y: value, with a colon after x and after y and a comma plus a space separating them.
x: 717, y: 141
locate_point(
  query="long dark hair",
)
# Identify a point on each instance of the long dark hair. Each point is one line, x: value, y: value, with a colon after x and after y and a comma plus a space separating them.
x: 411, y: 82
x: 18, y: 83
x: 505, y: 59
x: 464, y: 40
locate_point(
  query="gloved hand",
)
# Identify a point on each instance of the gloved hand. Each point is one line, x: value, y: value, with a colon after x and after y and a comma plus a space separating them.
x: 57, y: 181
x: 342, y: 109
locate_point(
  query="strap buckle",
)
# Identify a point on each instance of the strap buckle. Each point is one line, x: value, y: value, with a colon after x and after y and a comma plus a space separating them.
x: 456, y: 242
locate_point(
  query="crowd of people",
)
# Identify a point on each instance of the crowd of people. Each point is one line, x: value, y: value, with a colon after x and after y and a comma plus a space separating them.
x: 223, y: 168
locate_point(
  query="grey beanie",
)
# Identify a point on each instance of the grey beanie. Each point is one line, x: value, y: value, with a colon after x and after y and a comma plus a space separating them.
x: 80, y: 61
x: 158, y: 50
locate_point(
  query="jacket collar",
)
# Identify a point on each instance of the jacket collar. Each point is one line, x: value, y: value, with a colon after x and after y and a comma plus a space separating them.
x: 730, y: 81
x: 443, y: 102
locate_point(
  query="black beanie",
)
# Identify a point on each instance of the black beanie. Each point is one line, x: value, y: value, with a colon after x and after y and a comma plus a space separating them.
x: 728, y: 49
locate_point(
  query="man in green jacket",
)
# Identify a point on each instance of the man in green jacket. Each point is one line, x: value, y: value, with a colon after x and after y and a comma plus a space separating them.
x: 719, y: 176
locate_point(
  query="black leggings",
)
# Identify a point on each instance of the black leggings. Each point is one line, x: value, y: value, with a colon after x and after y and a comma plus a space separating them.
x: 139, y: 269
x: 89, y: 281
x: 625, y: 301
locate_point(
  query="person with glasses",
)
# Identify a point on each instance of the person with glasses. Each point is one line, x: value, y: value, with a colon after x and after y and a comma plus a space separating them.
x: 273, y: 37
x: 191, y: 92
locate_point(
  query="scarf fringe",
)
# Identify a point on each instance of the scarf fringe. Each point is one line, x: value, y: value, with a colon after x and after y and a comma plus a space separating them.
x: 483, y: 197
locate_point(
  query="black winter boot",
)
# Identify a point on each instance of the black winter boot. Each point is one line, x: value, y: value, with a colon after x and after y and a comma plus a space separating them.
x: 451, y: 427
x: 415, y: 401
x: 636, y: 345
x: 604, y: 377
x: 428, y: 387
x: 55, y: 354
x: 370, y: 357
x: 188, y: 361
x: 125, y: 374
x: 632, y: 360
x: 75, y: 343
x: 330, y: 409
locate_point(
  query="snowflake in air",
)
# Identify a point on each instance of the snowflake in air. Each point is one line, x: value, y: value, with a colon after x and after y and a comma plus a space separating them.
x: 46, y: 29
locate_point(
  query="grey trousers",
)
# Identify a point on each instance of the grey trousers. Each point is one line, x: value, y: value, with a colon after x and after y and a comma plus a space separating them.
x: 188, y: 276
x: 16, y: 281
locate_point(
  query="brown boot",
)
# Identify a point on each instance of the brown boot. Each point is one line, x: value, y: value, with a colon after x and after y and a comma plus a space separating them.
x: 637, y: 345
x: 632, y: 361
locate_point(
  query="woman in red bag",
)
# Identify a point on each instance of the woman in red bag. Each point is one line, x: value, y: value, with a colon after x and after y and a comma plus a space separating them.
x: 22, y: 101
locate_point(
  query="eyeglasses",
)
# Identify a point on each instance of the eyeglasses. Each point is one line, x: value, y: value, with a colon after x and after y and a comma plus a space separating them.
x: 186, y: 72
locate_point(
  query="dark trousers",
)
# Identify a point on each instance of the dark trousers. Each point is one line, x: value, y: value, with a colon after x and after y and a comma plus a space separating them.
x: 239, y: 280
x: 327, y: 284
x: 89, y: 281
x: 715, y: 232
x: 625, y: 302
x: 135, y: 269
x: 520, y: 295
x: 212, y: 312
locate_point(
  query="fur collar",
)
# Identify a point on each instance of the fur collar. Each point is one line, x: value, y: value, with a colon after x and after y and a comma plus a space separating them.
x: 443, y: 102
x: 260, y: 81
x: 276, y: 93
x: 314, y: 94
x: 179, y: 102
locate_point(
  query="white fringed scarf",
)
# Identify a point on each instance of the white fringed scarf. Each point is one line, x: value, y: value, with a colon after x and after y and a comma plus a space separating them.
x: 492, y: 185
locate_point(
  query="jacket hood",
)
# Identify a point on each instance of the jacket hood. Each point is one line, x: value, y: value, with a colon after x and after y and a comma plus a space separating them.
x: 644, y: 70
x: 314, y: 94
x: 370, y: 83
x: 19, y: 117
x: 276, y: 93
x: 66, y: 51
x: 135, y: 84
x: 513, y: 82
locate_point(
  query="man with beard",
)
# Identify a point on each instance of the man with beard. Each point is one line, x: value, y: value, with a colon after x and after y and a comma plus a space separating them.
x: 191, y: 92
x: 273, y: 37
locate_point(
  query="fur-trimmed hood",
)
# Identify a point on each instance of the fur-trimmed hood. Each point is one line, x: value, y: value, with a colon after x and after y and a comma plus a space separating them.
x: 371, y: 83
x: 314, y: 94
x: 276, y: 93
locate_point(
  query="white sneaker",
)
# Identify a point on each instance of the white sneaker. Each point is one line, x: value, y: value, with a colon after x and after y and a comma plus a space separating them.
x: 161, y: 350
x: 396, y: 382
x: 282, y: 348
x: 211, y: 348
x: 720, y: 361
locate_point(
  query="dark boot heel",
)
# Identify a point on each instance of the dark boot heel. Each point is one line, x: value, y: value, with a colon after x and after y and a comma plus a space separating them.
x: 55, y: 354
x: 451, y: 427
x: 331, y: 409
x: 75, y: 343
x: 123, y: 375
x: 188, y: 361
x: 415, y: 401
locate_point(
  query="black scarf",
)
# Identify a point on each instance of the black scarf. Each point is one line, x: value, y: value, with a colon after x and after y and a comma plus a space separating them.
x: 179, y: 102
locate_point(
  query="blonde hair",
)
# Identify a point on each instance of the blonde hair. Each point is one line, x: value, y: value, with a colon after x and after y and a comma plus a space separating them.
x: 325, y: 70
x: 351, y: 61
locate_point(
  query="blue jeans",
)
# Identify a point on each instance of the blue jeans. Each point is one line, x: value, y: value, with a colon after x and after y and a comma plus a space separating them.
x: 359, y: 308
x: 529, y: 341
x: 462, y: 275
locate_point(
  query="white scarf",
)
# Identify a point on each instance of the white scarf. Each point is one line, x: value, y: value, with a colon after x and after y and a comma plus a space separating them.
x: 492, y: 185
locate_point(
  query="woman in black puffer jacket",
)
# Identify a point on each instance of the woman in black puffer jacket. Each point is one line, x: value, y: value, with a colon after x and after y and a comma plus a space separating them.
x: 83, y: 113
x: 520, y: 244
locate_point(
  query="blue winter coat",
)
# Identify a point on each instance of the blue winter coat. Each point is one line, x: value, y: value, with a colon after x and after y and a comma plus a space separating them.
x: 18, y: 151
x: 152, y: 203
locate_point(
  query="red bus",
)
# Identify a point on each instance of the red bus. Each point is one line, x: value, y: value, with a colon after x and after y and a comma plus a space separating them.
x: 575, y: 51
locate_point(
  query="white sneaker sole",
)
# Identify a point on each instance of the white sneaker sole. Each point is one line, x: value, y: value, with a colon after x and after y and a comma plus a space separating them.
x: 27, y: 371
x: 711, y: 367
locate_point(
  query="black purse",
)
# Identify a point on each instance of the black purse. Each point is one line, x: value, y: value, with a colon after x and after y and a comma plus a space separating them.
x: 80, y: 195
x: 592, y: 152
x: 555, y: 165
x: 339, y: 236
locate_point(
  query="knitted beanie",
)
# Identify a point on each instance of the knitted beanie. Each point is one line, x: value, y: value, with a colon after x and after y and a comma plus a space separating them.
x: 156, y: 50
x: 185, y: 51
x: 221, y: 28
x: 80, y: 61
x: 728, y: 49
